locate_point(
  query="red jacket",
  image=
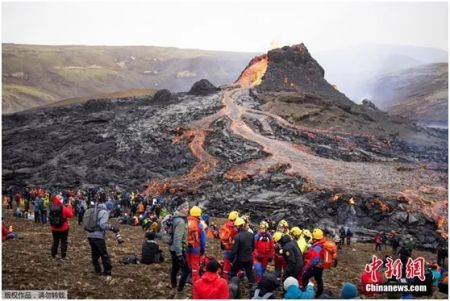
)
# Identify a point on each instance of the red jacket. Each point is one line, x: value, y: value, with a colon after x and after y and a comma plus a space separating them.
x: 5, y: 232
x: 67, y: 213
x: 366, y: 278
x: 210, y: 286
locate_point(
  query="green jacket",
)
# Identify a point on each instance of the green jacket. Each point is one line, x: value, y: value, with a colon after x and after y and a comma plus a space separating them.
x: 180, y: 232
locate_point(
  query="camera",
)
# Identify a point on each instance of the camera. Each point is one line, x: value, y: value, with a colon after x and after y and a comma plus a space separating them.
x: 119, y: 238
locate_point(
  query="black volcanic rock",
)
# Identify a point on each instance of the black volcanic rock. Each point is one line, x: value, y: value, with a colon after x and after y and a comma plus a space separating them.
x: 294, y: 69
x: 105, y: 143
x: 203, y: 87
x: 162, y: 96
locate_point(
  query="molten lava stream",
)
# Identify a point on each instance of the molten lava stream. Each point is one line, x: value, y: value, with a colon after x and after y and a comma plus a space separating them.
x: 191, y: 180
x: 382, y: 178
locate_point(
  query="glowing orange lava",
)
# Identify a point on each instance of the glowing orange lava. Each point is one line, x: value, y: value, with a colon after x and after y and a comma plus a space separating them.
x: 252, y: 75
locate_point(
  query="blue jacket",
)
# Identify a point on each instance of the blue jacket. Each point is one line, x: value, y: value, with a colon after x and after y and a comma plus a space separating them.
x: 38, y: 204
x: 293, y: 292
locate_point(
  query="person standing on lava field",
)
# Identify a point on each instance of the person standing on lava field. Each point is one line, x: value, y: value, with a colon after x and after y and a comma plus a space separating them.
x: 264, y: 249
x: 342, y: 236
x: 378, y: 240
x: 196, y: 242
x: 37, y: 205
x: 58, y: 215
x: 226, y: 234
x: 292, y: 256
x: 179, y: 244
x: 314, y: 261
x: 279, y: 262
x: 348, y: 235
x: 242, y: 251
x: 95, y: 223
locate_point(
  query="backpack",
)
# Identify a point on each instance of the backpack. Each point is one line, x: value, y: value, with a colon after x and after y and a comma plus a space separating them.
x: 264, y: 244
x: 55, y: 216
x: 193, y: 238
x: 129, y: 259
x: 329, y: 254
x: 90, y: 219
x: 266, y: 295
x: 225, y: 237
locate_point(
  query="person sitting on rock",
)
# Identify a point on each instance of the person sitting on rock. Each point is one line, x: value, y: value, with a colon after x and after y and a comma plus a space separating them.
x: 150, y: 250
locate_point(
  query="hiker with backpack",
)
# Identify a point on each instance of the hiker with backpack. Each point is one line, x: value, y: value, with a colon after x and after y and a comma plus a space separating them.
x: 292, y: 256
x: 178, y: 245
x: 264, y: 249
x: 211, y: 285
x: 226, y: 233
x: 95, y: 223
x: 150, y: 250
x: 314, y: 258
x: 58, y: 215
x: 196, y: 242
x: 242, y: 251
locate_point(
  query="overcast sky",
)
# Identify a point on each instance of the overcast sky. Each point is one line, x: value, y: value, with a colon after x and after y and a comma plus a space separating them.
x: 236, y: 26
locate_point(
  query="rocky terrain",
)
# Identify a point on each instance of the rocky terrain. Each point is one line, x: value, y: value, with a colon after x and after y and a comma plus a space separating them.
x: 37, y: 75
x: 419, y: 93
x: 279, y: 143
x: 128, y: 281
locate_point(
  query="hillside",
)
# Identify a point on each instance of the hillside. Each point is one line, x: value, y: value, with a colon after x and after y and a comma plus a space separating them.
x: 35, y: 75
x: 350, y: 69
x: 113, y: 95
x: 419, y: 93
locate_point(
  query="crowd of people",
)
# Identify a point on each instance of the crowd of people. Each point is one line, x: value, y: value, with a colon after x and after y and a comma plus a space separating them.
x: 300, y: 257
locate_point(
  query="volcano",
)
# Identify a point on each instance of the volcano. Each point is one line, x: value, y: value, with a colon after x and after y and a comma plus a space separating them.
x: 281, y: 142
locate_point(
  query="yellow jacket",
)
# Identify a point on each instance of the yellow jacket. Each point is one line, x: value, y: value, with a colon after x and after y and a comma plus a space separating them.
x: 302, y: 244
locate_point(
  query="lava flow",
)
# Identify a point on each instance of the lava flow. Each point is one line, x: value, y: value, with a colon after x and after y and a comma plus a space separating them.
x: 191, y: 180
x: 253, y: 74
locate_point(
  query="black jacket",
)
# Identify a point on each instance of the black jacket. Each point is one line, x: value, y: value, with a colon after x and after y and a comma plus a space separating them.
x: 292, y: 255
x: 150, y: 252
x: 243, y: 246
